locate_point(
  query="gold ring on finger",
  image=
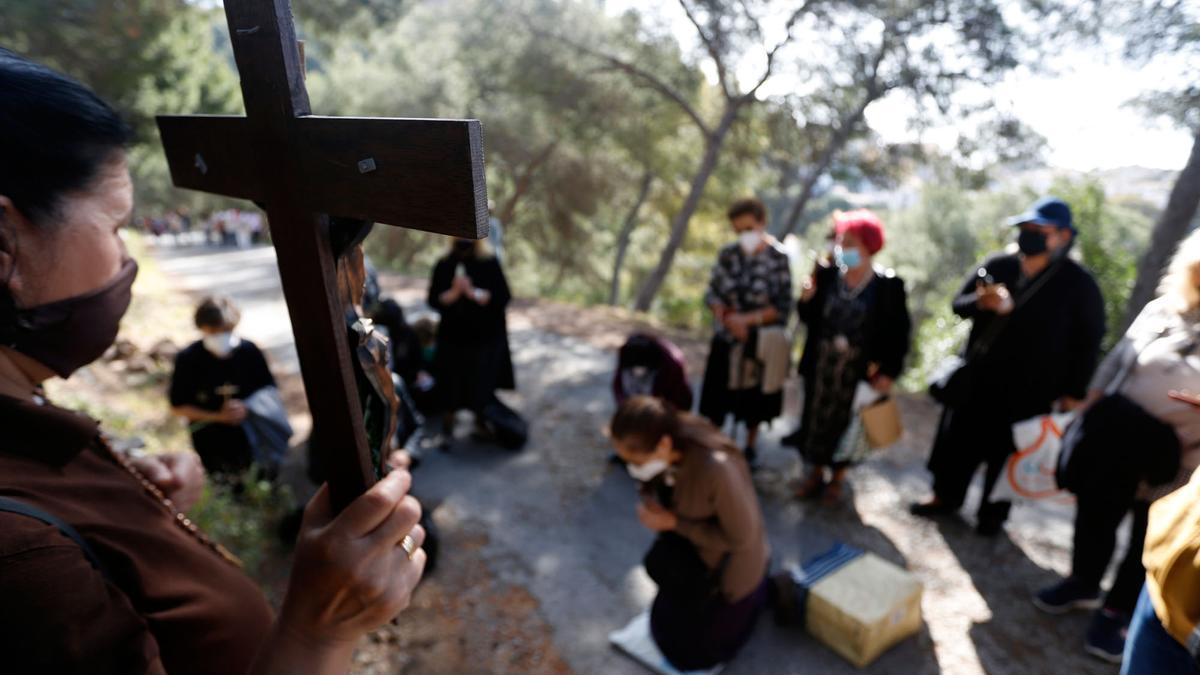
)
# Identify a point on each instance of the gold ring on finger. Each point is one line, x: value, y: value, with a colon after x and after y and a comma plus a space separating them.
x: 409, y: 545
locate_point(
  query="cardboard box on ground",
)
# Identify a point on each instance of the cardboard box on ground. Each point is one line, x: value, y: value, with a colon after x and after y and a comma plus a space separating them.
x: 864, y: 608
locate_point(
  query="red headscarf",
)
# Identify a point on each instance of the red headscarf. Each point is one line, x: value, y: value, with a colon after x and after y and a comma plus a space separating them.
x: 864, y: 225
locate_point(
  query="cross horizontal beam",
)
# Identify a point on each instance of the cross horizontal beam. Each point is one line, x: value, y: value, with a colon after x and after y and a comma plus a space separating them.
x: 415, y: 173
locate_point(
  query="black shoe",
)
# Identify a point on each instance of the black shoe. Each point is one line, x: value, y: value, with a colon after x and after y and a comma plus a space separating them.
x: 1106, y: 636
x: 931, y: 509
x: 989, y: 528
x: 1065, y: 596
x: 482, y: 433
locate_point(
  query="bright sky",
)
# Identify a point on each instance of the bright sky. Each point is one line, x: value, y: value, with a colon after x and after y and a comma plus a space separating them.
x: 1080, y: 109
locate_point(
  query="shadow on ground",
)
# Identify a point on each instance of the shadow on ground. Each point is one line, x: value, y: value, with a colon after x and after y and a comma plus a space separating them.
x: 1007, y: 584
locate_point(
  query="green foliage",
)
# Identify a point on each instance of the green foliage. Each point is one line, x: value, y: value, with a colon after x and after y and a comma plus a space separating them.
x: 569, y: 136
x: 567, y: 142
x: 244, y: 519
x: 103, y: 43
x: 1111, y: 237
x: 146, y: 57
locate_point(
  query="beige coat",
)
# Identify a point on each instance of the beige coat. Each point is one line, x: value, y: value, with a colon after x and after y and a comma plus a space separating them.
x: 1155, y: 355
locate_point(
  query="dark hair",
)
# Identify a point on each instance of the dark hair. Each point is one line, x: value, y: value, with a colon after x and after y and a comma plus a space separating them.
x: 426, y: 330
x: 217, y: 311
x: 749, y: 205
x: 465, y: 248
x: 56, y: 134
x: 641, y: 350
x: 642, y: 421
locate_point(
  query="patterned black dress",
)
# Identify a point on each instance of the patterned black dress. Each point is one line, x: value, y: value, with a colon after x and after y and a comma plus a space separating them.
x: 743, y: 283
x: 841, y: 364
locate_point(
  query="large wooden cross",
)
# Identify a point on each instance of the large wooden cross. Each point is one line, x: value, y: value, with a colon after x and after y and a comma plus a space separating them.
x: 305, y: 170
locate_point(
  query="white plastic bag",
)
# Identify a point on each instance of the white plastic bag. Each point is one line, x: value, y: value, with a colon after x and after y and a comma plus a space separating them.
x: 1029, y: 473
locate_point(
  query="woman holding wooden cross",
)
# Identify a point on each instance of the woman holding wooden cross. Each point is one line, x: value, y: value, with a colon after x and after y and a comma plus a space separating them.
x: 101, y: 570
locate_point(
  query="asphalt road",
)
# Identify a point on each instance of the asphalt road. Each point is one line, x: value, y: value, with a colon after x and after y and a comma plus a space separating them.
x: 560, y: 519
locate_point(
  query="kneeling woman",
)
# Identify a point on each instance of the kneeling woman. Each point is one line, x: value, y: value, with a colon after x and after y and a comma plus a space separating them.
x: 710, y: 559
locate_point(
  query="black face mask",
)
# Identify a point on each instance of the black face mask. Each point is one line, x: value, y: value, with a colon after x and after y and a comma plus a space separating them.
x: 1032, y: 242
x: 68, y: 334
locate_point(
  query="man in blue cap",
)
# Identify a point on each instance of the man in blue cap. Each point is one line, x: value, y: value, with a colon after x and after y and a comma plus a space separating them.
x: 1037, y: 320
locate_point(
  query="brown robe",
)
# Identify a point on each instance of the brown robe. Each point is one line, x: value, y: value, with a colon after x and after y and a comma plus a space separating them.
x: 718, y: 511
x: 170, y: 603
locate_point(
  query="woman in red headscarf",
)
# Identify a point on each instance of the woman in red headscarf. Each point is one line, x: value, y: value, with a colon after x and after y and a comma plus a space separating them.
x: 858, y: 331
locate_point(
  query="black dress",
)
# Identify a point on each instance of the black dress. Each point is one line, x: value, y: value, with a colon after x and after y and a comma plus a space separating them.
x: 473, y: 358
x: 205, y: 381
x: 848, y: 330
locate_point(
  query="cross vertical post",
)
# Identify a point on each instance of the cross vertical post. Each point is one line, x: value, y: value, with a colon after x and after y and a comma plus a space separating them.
x: 305, y: 169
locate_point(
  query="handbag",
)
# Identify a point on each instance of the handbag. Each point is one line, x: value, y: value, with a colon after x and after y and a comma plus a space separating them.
x: 1095, y: 457
x: 1114, y: 446
x: 511, y: 431
x: 953, y: 381
x: 881, y: 422
x: 267, y: 428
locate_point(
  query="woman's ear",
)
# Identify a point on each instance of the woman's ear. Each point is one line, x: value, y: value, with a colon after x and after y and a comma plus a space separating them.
x: 12, y: 224
x: 7, y: 239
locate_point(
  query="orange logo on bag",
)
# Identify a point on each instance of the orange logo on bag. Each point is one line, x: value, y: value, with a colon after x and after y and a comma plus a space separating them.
x: 1030, y: 472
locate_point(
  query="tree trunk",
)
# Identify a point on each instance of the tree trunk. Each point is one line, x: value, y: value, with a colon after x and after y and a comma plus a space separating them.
x: 523, y: 182
x: 626, y: 234
x: 839, y: 140
x: 1173, y: 224
x: 679, y: 224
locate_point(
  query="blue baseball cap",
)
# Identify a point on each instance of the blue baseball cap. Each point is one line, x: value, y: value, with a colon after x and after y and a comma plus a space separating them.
x: 1046, y: 211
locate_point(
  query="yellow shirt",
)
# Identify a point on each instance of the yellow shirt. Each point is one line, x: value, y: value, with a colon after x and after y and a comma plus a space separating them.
x: 1172, y: 559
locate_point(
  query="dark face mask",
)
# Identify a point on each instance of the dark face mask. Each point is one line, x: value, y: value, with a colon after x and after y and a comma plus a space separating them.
x: 1031, y: 242
x: 68, y: 334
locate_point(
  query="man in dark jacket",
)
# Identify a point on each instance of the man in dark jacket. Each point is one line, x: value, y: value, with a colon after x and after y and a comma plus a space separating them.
x: 1034, y: 343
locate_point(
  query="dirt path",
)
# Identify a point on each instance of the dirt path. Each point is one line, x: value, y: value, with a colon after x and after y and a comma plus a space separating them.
x: 541, y: 553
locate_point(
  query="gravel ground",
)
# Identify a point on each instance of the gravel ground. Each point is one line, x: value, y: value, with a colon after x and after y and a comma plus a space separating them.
x: 541, y: 549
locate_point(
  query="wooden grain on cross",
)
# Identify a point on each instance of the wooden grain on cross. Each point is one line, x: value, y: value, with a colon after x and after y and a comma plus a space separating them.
x: 423, y: 174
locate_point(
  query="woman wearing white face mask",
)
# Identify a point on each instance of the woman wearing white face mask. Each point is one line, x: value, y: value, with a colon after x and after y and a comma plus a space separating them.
x: 710, y: 559
x: 212, y: 378
x: 750, y: 295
